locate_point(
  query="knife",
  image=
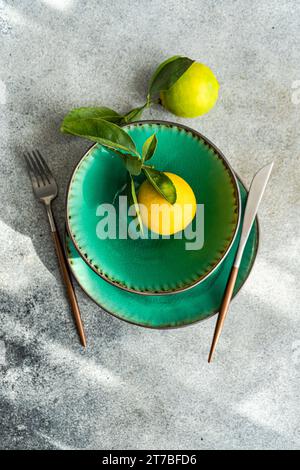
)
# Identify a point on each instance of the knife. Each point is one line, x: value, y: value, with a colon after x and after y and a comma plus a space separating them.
x: 255, y: 195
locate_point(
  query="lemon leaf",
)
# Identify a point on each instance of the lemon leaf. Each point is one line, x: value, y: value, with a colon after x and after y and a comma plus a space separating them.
x: 149, y: 147
x: 167, y: 74
x: 162, y: 183
x: 129, y: 191
x: 159, y: 69
x: 133, y: 164
x: 135, y: 114
x: 101, y: 112
x: 99, y: 130
x: 136, y: 204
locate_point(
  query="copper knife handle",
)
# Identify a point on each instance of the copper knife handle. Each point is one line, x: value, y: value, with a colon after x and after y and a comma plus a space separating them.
x: 69, y: 286
x: 223, y: 310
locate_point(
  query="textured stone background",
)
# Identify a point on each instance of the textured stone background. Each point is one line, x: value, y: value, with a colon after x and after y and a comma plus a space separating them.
x: 135, y: 388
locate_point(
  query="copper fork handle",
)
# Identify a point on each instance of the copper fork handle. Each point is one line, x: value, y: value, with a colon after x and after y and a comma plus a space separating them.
x: 45, y: 189
x: 223, y: 310
x: 69, y: 286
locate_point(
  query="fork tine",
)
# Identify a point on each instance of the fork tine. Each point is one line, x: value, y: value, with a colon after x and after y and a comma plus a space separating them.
x: 43, y: 163
x: 30, y: 168
x: 35, y: 169
x: 39, y: 167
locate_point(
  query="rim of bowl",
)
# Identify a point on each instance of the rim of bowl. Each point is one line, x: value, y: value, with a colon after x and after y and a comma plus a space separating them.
x: 226, y: 252
x: 167, y: 327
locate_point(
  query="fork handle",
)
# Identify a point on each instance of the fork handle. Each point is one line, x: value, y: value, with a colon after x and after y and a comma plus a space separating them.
x: 66, y: 277
x: 69, y: 287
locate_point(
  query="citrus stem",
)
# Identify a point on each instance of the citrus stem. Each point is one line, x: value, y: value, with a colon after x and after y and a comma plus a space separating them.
x: 148, y: 166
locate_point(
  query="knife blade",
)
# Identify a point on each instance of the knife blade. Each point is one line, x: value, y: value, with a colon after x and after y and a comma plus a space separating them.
x: 255, y: 195
x: 256, y: 191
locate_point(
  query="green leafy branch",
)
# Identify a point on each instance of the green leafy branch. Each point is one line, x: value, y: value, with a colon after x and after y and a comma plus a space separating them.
x: 103, y: 125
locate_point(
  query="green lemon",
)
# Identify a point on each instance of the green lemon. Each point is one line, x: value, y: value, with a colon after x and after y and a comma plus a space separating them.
x: 195, y: 92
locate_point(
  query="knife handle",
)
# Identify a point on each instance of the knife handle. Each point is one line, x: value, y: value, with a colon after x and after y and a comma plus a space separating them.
x: 223, y: 310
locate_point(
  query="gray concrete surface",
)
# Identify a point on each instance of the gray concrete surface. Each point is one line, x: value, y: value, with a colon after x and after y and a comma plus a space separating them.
x: 135, y: 388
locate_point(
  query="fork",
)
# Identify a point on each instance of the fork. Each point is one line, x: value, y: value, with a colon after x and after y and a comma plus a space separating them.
x: 45, y: 189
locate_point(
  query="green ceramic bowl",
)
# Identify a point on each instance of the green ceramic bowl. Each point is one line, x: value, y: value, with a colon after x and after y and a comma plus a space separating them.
x: 160, y: 266
x: 167, y: 311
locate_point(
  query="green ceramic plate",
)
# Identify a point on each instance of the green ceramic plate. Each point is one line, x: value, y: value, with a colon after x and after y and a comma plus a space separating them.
x: 166, y: 311
x: 163, y: 265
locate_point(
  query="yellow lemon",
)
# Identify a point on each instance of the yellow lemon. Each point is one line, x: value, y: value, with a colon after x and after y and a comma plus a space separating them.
x: 194, y: 94
x: 162, y: 217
